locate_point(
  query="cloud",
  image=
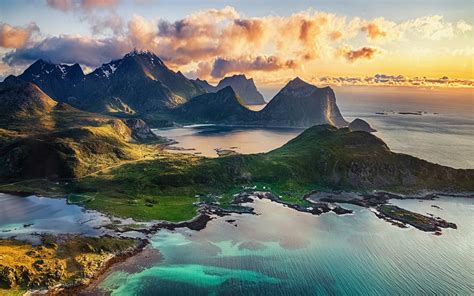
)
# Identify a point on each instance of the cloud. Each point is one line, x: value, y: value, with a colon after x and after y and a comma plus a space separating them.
x: 463, y: 26
x: 16, y: 37
x: 395, y: 80
x: 215, y: 42
x: 353, y: 55
x: 428, y: 27
x: 71, y: 49
x: 112, y: 21
x: 335, y: 35
x: 222, y: 67
x: 63, y: 5
x: 373, y: 31
x: 86, y: 6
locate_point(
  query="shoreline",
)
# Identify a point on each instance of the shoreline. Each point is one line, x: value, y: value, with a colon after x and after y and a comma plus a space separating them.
x: 209, y: 211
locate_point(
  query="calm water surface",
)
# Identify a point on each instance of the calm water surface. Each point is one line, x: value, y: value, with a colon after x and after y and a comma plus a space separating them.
x: 284, y: 252
x: 205, y: 138
x: 444, y: 138
x: 23, y: 216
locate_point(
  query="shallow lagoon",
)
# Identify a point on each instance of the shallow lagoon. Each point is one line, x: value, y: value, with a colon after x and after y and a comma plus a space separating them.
x: 285, y: 252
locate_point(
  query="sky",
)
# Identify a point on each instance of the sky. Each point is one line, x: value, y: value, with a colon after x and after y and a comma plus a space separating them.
x: 359, y: 42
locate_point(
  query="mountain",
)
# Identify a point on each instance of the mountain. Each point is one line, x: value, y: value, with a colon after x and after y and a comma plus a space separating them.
x: 223, y: 106
x: 139, y: 82
x: 205, y: 85
x: 244, y: 88
x: 58, y: 81
x: 20, y: 98
x: 41, y: 138
x: 360, y: 125
x: 301, y: 104
x: 340, y: 158
x: 298, y: 104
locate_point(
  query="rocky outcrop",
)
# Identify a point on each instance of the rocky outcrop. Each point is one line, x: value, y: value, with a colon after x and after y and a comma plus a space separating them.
x: 361, y: 126
x: 140, y: 130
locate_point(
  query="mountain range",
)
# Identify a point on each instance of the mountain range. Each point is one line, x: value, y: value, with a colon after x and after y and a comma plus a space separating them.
x: 298, y: 104
x: 44, y: 138
x: 244, y: 87
x: 140, y: 84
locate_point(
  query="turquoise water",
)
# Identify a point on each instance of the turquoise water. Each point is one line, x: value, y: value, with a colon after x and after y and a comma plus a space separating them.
x: 284, y: 252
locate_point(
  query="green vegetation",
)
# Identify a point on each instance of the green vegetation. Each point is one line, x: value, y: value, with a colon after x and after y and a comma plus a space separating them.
x: 322, y: 158
x: 42, y: 138
x: 71, y: 260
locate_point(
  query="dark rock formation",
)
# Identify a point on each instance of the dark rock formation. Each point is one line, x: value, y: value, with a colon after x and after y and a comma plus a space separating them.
x: 360, y: 125
x: 244, y: 88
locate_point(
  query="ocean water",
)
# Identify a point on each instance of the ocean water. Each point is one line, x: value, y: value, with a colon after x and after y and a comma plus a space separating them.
x: 204, y: 139
x: 23, y: 217
x: 443, y: 133
x: 284, y: 252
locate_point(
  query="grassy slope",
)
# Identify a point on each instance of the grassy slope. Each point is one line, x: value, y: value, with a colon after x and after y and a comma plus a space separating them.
x: 64, y: 143
x: 321, y: 158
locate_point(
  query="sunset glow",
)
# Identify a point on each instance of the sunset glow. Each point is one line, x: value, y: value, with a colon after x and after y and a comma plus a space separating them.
x: 210, y: 41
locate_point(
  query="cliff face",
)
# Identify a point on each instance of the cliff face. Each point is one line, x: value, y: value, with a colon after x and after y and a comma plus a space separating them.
x: 244, y: 88
x: 301, y: 104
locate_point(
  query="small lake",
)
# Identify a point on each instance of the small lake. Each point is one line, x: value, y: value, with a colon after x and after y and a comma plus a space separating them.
x: 285, y: 252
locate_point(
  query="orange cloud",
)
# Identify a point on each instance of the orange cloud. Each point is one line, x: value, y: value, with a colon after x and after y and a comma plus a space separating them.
x: 373, y: 31
x: 16, y: 37
x: 335, y: 35
x: 353, y: 55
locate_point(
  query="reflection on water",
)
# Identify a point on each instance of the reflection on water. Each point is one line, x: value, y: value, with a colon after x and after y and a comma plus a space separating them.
x: 446, y: 138
x: 205, y: 138
x: 438, y: 138
x: 22, y: 216
x: 284, y: 252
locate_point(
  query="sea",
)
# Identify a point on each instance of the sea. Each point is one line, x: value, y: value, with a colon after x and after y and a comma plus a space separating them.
x: 281, y: 251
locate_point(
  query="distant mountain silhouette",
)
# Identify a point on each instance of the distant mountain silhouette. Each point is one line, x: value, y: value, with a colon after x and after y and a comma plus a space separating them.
x: 298, y: 104
x: 244, y: 88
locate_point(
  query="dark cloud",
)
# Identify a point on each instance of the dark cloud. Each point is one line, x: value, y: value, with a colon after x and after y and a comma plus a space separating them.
x: 222, y: 66
x: 71, y: 49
